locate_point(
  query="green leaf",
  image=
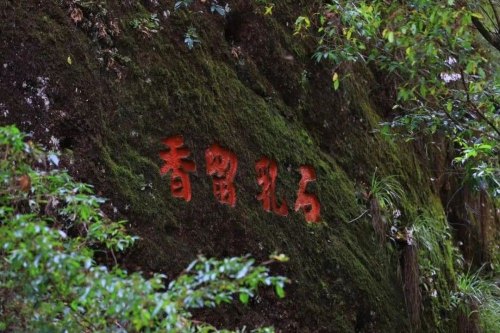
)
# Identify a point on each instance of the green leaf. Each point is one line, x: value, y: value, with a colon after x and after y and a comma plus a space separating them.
x: 269, y: 10
x: 336, y: 85
x: 390, y: 36
x: 244, y: 298
x: 449, y: 106
x: 423, y: 90
x: 336, y: 81
x: 279, y: 291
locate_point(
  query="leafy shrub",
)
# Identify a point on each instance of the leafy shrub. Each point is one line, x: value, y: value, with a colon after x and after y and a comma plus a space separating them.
x: 478, y: 302
x: 191, y: 38
x: 182, y: 3
x: 215, y: 7
x: 387, y: 191
x: 221, y: 10
x: 50, y: 228
x: 147, y: 25
x: 384, y: 195
x: 436, y: 68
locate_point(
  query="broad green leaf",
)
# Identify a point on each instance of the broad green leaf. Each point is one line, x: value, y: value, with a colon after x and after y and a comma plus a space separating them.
x: 279, y: 291
x: 244, y: 298
x: 336, y: 81
x: 390, y: 36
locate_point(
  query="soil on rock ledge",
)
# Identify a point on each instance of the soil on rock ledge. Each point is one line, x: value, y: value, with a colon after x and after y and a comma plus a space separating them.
x: 106, y: 94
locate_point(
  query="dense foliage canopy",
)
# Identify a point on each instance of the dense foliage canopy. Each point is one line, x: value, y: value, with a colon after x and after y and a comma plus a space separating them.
x: 440, y: 58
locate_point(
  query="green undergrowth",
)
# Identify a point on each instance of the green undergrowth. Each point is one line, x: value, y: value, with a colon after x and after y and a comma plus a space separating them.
x: 53, y: 278
x: 199, y: 95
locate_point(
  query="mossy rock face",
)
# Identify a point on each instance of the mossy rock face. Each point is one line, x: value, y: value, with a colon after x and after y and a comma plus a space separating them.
x: 250, y: 87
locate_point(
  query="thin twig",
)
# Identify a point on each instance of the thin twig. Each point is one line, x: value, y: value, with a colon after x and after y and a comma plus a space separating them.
x: 451, y: 199
x: 474, y: 107
x: 360, y: 216
x: 114, y: 257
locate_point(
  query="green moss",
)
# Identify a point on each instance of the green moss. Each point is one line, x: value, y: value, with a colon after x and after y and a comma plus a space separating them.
x: 200, y: 96
x: 436, y: 266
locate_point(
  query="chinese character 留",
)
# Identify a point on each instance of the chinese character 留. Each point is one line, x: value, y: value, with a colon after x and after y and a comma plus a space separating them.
x: 309, y: 203
x: 267, y: 172
x: 222, y: 165
x: 176, y: 162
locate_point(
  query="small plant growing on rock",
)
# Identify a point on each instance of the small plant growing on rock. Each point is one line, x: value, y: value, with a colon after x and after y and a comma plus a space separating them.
x: 478, y: 302
x: 221, y: 10
x: 383, y: 196
x: 182, y: 4
x: 191, y: 38
x: 147, y: 25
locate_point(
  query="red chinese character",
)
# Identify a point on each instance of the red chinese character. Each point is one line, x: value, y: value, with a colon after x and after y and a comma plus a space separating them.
x: 175, y: 161
x: 222, y: 165
x: 267, y: 171
x: 306, y: 201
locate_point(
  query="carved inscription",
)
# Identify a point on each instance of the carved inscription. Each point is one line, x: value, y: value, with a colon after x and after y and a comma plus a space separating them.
x: 222, y: 166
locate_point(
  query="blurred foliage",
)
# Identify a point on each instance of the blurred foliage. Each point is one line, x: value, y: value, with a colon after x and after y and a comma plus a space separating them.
x: 51, y: 228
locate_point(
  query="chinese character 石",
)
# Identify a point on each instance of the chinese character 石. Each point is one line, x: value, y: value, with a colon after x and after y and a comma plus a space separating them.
x: 222, y: 165
x: 309, y: 203
x: 176, y: 162
x: 267, y: 171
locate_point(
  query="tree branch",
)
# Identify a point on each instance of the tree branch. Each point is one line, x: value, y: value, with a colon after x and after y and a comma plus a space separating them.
x: 492, y: 38
x: 474, y: 107
x: 493, y: 8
